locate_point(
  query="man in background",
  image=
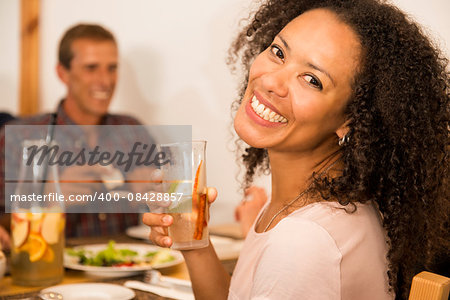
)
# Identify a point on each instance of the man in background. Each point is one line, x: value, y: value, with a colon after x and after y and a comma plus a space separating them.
x: 87, y: 65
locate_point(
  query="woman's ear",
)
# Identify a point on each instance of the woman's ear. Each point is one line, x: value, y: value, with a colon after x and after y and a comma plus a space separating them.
x: 343, y: 130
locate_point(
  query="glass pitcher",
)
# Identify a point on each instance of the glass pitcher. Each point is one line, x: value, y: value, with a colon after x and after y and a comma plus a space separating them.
x: 37, y: 224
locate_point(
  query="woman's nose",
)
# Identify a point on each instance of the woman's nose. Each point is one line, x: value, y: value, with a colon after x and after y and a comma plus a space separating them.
x: 276, y: 82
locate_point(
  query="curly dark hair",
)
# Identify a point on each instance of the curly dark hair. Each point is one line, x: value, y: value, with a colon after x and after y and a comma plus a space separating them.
x: 398, y: 116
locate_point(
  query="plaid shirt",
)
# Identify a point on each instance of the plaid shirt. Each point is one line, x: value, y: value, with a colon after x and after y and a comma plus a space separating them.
x: 81, y: 224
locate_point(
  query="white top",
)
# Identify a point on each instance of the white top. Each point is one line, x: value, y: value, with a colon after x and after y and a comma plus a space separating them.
x: 317, y: 252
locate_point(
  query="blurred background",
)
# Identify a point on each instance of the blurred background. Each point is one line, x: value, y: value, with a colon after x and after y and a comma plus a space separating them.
x: 172, y: 66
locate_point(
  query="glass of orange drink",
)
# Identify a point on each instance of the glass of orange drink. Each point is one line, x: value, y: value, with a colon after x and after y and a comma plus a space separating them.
x: 184, y: 179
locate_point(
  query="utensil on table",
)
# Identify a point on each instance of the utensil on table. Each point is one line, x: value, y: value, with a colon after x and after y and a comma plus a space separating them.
x: 154, y: 277
x: 50, y: 296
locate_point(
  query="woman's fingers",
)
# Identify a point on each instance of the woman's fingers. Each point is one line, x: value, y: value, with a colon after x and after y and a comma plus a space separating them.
x: 152, y: 219
x: 158, y: 235
x: 159, y: 224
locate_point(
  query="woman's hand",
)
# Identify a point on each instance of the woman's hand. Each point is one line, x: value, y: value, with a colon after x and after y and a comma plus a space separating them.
x: 160, y: 222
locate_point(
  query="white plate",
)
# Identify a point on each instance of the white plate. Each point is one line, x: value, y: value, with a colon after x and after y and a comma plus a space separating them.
x: 226, y: 248
x: 139, y: 232
x: 71, y: 262
x: 92, y: 291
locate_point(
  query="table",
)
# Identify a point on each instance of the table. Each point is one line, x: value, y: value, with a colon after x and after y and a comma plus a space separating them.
x: 11, y: 291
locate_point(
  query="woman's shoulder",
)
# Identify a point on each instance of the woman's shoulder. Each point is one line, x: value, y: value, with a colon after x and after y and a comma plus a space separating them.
x: 340, y: 229
x: 352, y: 241
x: 294, y: 235
x: 332, y: 213
x: 352, y: 227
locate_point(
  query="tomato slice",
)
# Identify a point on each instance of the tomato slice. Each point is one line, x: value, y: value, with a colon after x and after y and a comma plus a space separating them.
x: 124, y: 264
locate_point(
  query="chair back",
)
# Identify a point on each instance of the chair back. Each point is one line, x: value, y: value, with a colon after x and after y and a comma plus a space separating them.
x: 429, y: 286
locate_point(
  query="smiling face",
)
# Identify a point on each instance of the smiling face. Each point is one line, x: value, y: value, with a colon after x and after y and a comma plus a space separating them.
x: 90, y: 80
x: 298, y: 87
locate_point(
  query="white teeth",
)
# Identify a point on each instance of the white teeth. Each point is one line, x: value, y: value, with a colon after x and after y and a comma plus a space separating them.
x: 260, y: 108
x: 266, y: 113
x: 101, y: 95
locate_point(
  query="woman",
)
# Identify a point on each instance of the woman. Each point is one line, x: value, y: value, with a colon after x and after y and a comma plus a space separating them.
x: 346, y: 102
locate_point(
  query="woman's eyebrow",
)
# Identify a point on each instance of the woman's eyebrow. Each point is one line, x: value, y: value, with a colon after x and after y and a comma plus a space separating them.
x: 321, y: 70
x: 284, y: 42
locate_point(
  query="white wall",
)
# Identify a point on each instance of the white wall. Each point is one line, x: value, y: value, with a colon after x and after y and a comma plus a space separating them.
x: 9, y: 55
x: 172, y: 67
x: 433, y: 15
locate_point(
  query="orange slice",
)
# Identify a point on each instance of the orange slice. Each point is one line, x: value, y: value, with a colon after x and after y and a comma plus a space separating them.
x: 49, y: 255
x: 35, y: 246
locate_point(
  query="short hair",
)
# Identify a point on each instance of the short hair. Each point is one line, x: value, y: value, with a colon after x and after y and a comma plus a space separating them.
x: 81, y: 31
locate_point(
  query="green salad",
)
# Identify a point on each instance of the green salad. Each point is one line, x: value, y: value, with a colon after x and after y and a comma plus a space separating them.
x: 114, y: 257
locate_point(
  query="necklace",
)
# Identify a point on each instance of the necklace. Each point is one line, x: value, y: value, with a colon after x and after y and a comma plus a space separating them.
x: 282, y: 209
x: 286, y: 206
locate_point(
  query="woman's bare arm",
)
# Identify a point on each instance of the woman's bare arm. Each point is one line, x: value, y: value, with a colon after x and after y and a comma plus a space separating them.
x: 209, y: 278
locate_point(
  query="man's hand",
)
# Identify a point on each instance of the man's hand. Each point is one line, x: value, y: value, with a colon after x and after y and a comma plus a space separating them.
x: 5, y: 240
x: 246, y: 212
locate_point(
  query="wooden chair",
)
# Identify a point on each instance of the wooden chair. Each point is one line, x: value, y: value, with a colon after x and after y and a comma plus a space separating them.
x: 429, y: 286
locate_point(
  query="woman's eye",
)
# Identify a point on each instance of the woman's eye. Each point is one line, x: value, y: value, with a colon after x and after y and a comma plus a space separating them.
x: 277, y: 51
x: 313, y: 81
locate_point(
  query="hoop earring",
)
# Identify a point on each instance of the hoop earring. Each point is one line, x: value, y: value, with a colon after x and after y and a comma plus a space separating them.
x: 343, y: 140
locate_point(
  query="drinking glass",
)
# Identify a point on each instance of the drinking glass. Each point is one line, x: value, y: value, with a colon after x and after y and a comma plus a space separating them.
x: 184, y: 182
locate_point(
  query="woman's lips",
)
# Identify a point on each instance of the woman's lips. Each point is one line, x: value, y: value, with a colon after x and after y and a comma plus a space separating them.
x: 265, y: 112
x: 262, y: 114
